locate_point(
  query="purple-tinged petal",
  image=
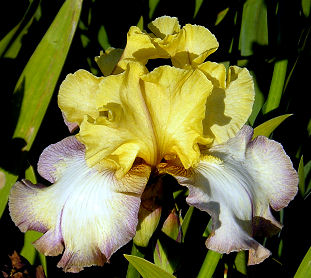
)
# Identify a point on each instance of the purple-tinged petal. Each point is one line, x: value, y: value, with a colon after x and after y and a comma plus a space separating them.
x: 54, y: 158
x: 236, y: 183
x: 275, y: 179
x: 89, y: 214
x: 71, y: 126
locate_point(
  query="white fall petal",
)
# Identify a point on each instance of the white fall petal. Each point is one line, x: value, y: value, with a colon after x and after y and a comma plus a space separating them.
x: 88, y: 213
x: 236, y: 183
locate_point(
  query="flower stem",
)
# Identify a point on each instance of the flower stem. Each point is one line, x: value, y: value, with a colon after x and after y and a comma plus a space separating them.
x: 209, y: 265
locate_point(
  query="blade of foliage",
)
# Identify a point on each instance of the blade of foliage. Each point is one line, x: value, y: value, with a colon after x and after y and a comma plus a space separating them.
x: 28, y: 251
x: 186, y: 222
x: 38, y: 79
x: 254, y: 26
x: 266, y: 128
x: 276, y: 87
x: 301, y: 175
x: 131, y: 270
x: 12, y: 42
x: 198, y: 4
x: 167, y: 251
x: 140, y: 23
x: 147, y: 269
x: 208, y: 228
x: 221, y: 15
x: 103, y: 38
x: 209, y: 265
x: 259, y: 101
x: 306, y: 7
x: 161, y: 259
x: 304, y: 269
x: 152, y: 6
x: 240, y: 262
x: 307, y: 173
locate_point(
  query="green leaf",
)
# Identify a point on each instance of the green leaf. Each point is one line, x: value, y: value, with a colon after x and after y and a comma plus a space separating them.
x: 161, y: 258
x: 11, y: 44
x: 306, y: 6
x: 240, y: 262
x: 254, y: 26
x: 276, y: 86
x: 167, y: 251
x: 140, y: 23
x: 304, y: 269
x: 28, y: 251
x: 307, y: 170
x: 309, y: 127
x: 209, y: 265
x: 208, y: 229
x: 131, y: 270
x: 152, y: 6
x: 301, y: 175
x: 186, y: 221
x: 198, y: 4
x: 84, y: 40
x: 259, y: 101
x: 103, y: 38
x: 269, y: 126
x: 221, y: 15
x: 147, y: 269
x: 38, y: 80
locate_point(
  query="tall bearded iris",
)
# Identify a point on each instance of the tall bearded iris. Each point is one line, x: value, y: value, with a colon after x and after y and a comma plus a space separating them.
x: 186, y: 120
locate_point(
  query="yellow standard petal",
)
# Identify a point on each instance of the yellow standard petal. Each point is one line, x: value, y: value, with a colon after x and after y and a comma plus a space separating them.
x: 193, y: 45
x: 231, y: 101
x: 123, y: 129
x: 77, y: 96
x: 186, y: 47
x: 164, y: 25
x: 176, y: 102
x: 139, y: 48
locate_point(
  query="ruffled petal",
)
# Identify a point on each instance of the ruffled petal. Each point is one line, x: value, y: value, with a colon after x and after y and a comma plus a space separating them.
x: 193, y: 45
x: 164, y: 26
x: 123, y: 130
x: 267, y: 163
x: 236, y: 183
x: 231, y: 102
x: 186, y: 47
x: 175, y: 99
x: 87, y: 213
x: 77, y: 96
x: 139, y: 48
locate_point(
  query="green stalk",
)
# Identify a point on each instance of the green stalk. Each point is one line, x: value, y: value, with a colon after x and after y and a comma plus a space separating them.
x: 209, y: 265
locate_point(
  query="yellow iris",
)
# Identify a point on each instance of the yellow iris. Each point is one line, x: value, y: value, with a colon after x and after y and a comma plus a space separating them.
x: 186, y: 120
x: 167, y: 113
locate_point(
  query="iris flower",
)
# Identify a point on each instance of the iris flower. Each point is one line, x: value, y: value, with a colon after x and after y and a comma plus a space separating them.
x: 186, y: 120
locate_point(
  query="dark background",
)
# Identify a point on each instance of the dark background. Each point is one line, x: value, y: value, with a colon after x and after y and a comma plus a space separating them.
x: 287, y: 39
